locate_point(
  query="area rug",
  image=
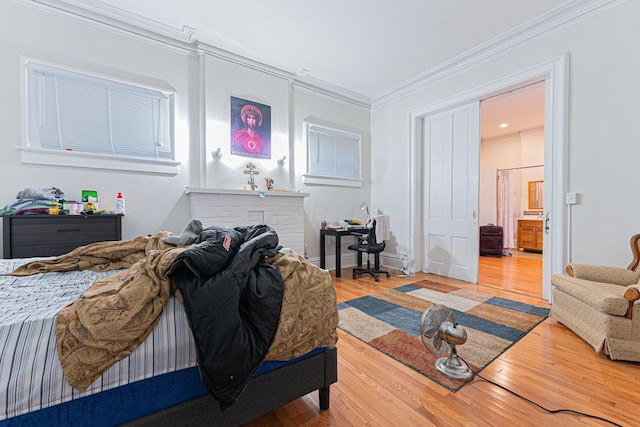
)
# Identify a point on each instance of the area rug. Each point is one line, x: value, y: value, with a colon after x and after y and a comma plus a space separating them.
x: 390, y: 322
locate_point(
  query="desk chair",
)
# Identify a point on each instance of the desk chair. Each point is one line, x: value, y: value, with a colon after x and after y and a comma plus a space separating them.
x: 368, y: 243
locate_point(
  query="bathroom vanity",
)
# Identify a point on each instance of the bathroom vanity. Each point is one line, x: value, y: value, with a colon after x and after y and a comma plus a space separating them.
x: 530, y: 234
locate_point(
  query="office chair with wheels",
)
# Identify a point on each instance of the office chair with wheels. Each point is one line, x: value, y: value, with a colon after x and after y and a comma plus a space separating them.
x: 368, y: 243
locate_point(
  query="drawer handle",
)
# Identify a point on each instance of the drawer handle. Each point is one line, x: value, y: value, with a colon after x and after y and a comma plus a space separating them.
x: 68, y: 230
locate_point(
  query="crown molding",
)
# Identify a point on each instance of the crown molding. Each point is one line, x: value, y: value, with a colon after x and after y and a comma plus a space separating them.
x: 244, y: 61
x: 329, y: 90
x: 103, y: 12
x: 185, y: 34
x: 307, y: 83
x: 100, y: 13
x: 533, y: 30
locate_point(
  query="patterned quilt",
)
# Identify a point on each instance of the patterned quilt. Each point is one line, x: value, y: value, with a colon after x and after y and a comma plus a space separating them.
x: 116, y: 313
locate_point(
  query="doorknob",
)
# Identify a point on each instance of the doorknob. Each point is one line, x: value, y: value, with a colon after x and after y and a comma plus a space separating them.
x: 546, y: 224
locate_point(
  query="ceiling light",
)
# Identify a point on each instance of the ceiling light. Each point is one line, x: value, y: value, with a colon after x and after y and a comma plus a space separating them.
x: 503, y: 125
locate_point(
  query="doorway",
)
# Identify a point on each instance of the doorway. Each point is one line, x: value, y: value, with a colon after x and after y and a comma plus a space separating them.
x: 511, y: 160
x: 555, y: 75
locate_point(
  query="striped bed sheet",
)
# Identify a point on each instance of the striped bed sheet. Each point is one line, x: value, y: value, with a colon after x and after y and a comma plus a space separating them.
x: 30, y: 374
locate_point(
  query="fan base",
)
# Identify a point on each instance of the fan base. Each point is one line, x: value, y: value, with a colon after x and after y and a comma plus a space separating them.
x: 454, y: 368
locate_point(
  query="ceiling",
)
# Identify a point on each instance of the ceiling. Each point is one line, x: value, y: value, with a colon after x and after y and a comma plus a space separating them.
x: 366, y: 47
x: 521, y: 109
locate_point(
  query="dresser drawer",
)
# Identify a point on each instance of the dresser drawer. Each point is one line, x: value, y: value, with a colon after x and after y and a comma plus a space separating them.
x: 50, y: 235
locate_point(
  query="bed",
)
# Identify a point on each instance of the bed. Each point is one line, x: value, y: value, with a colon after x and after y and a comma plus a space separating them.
x: 158, y: 383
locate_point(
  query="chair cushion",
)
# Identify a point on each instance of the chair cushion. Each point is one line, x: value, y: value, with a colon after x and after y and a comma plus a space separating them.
x: 605, y: 297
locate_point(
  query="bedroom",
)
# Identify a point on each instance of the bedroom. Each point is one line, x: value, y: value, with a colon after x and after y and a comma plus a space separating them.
x: 600, y: 132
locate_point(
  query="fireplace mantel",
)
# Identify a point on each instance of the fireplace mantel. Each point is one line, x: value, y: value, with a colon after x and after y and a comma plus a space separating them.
x: 282, y: 210
x: 276, y: 193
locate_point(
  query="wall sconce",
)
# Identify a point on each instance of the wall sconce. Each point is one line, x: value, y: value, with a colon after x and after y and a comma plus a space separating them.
x: 216, y: 154
x: 281, y: 161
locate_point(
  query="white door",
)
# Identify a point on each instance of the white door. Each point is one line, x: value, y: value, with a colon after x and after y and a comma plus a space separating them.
x: 450, y: 212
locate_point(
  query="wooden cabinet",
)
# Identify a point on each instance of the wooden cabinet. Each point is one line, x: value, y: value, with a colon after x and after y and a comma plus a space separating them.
x: 26, y: 236
x: 530, y: 234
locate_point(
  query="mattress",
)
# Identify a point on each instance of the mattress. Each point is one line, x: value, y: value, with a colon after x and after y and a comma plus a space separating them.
x: 31, y: 378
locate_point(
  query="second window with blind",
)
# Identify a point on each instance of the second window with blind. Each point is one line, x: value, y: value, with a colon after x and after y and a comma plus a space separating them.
x: 333, y: 157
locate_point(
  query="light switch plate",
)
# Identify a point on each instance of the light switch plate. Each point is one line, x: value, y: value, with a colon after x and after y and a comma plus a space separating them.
x: 571, y: 198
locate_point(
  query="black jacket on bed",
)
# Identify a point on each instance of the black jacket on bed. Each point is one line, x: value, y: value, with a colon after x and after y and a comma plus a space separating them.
x: 232, y: 298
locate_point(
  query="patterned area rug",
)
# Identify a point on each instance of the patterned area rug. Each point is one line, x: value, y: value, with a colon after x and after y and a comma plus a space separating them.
x: 390, y: 322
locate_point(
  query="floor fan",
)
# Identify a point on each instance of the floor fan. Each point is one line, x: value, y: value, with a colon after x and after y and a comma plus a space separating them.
x: 441, y: 333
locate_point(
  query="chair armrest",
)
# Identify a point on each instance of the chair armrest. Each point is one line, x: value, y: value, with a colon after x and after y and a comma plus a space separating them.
x: 632, y: 294
x: 635, y: 251
x: 605, y: 274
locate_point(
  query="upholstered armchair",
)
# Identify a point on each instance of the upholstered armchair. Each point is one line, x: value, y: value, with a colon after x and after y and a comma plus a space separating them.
x: 600, y: 304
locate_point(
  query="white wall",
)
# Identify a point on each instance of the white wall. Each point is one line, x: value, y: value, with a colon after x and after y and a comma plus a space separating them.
x: 225, y: 79
x: 511, y: 152
x: 532, y: 155
x: 152, y: 200
x: 291, y: 106
x: 601, y: 150
x: 497, y: 154
x: 602, y: 162
x: 330, y: 203
x: 204, y: 82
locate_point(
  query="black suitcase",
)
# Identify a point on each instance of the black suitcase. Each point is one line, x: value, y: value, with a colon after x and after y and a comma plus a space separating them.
x: 491, y: 240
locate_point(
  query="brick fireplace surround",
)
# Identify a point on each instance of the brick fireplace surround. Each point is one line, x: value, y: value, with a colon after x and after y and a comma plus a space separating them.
x: 284, y: 211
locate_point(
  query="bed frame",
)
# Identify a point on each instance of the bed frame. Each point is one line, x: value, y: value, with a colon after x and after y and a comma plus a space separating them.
x: 263, y: 394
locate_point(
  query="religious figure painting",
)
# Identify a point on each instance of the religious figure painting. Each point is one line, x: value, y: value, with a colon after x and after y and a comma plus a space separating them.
x: 250, y: 128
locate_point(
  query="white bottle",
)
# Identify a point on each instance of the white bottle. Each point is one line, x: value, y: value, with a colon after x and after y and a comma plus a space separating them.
x: 119, y: 204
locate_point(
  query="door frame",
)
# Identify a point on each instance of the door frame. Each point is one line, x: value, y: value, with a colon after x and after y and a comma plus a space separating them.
x: 556, y: 119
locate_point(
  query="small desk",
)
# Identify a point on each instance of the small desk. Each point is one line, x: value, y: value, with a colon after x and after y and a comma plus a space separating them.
x: 338, y: 235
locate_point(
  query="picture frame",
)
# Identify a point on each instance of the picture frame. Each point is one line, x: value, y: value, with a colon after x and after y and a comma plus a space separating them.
x: 250, y: 128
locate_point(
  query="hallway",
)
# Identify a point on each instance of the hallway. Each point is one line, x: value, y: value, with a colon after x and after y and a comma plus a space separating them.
x: 521, y: 272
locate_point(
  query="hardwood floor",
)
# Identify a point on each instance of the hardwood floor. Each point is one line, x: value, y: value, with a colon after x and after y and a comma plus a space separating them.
x: 550, y: 366
x: 520, y: 272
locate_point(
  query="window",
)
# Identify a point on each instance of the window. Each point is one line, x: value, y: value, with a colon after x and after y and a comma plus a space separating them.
x: 333, y: 157
x: 78, y: 119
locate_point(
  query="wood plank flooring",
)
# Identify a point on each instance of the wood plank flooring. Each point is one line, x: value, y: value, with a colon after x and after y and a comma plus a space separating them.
x: 521, y: 272
x: 550, y: 366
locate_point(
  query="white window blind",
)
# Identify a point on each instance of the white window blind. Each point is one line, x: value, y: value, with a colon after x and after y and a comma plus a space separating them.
x: 73, y: 112
x: 333, y: 153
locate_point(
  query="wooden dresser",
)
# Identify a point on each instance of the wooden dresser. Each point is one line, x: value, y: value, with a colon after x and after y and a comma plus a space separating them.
x: 530, y: 234
x: 26, y: 236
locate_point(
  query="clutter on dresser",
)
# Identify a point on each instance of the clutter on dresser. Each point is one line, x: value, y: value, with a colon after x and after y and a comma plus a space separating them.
x: 119, y: 204
x: 89, y: 208
x: 54, y: 209
x: 73, y: 208
x: 52, y: 201
x: 90, y: 196
x: 33, y: 201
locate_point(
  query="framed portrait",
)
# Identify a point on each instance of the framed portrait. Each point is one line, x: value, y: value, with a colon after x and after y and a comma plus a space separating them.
x: 250, y: 128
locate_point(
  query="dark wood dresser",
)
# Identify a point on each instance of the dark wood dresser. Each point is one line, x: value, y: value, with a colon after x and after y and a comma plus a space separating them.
x: 25, y: 236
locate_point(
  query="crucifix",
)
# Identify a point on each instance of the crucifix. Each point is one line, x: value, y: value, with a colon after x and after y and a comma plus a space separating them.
x: 251, y: 171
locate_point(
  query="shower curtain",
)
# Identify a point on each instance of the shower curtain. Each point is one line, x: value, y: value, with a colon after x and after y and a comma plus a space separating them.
x: 505, y: 207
